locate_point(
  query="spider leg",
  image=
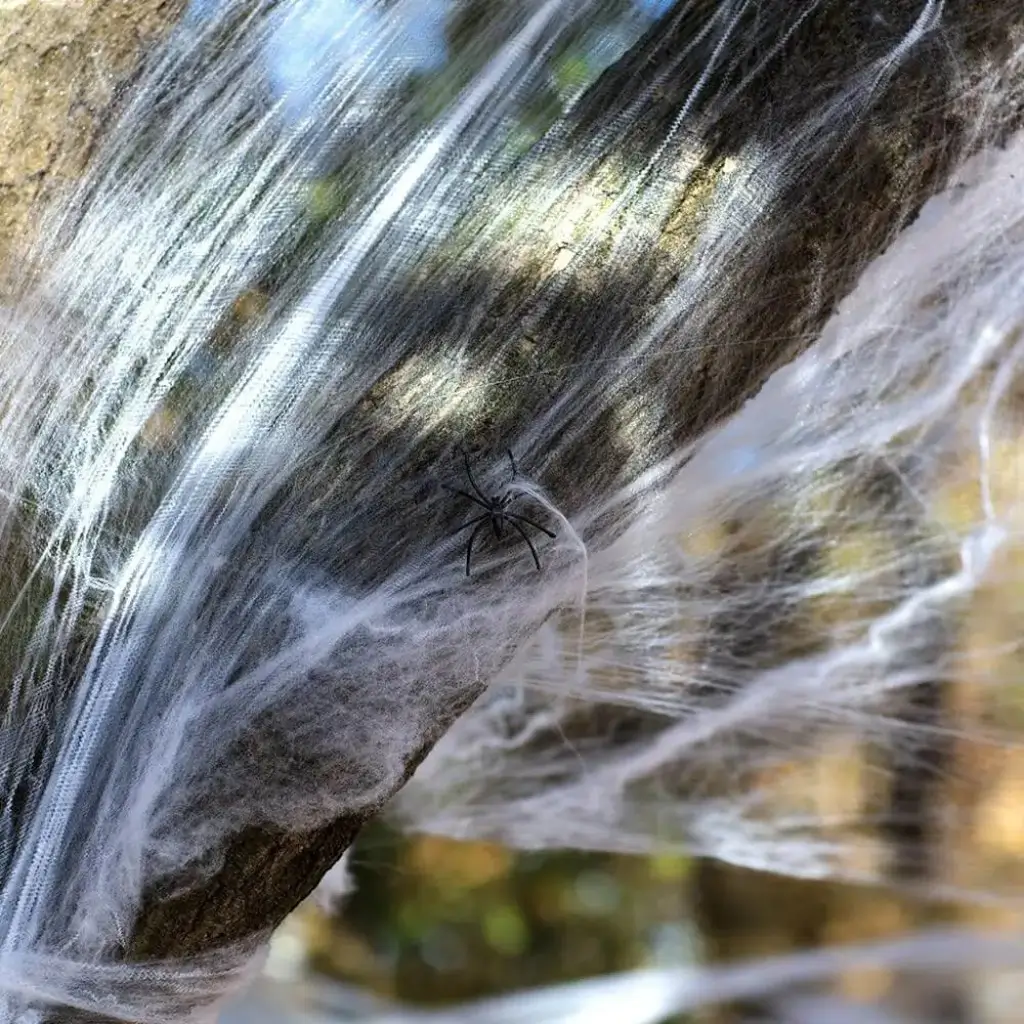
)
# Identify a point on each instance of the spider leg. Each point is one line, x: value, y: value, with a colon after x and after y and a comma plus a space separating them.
x: 469, y: 473
x: 533, y: 550
x: 472, y: 537
x: 471, y: 522
x: 530, y: 522
x: 512, y: 460
x: 466, y: 494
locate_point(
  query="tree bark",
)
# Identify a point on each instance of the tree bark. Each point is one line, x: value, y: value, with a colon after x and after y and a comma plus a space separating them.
x: 62, y: 65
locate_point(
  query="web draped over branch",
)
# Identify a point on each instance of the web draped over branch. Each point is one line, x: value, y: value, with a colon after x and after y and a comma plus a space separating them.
x: 818, y: 610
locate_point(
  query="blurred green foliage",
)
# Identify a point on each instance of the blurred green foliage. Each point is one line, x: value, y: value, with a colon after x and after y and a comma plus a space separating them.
x: 433, y: 920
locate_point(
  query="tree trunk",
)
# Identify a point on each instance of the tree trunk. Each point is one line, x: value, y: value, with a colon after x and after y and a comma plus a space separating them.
x: 849, y: 184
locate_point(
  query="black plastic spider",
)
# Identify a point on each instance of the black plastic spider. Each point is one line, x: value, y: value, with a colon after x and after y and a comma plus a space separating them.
x: 495, y: 512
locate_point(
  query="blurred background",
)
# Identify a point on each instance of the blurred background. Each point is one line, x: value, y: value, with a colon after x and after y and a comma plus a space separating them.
x: 436, y: 924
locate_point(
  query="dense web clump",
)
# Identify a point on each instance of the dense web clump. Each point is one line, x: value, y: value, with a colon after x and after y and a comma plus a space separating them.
x: 737, y: 283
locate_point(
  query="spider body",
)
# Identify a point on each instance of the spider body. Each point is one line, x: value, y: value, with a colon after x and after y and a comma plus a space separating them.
x: 496, y: 513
